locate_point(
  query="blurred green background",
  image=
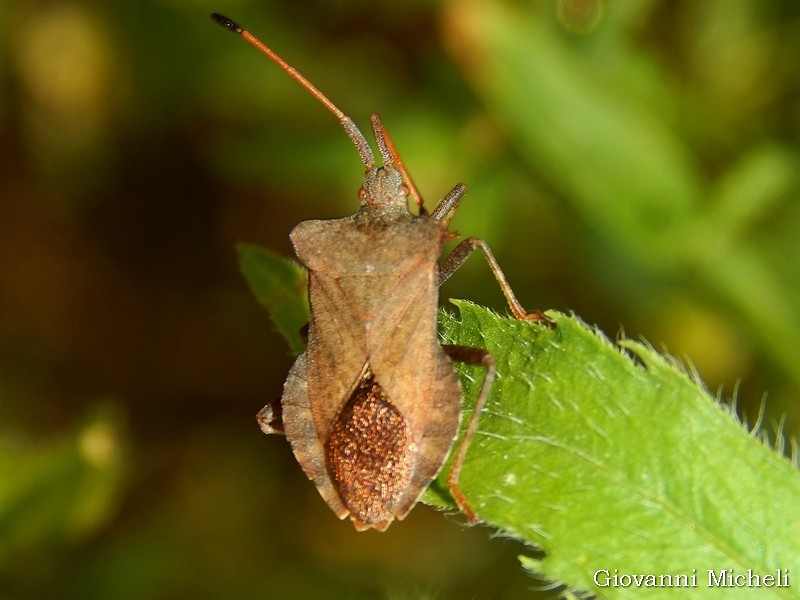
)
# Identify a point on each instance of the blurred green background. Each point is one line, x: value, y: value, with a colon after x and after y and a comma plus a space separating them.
x: 635, y: 162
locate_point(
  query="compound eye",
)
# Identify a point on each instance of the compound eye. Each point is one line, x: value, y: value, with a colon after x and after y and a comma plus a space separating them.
x: 362, y: 193
x: 403, y: 190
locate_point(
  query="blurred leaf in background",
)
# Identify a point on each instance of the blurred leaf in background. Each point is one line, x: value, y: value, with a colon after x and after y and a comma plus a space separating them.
x: 57, y: 493
x: 635, y: 162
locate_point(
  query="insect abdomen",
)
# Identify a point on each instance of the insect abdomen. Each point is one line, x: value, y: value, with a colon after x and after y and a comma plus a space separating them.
x: 370, y: 453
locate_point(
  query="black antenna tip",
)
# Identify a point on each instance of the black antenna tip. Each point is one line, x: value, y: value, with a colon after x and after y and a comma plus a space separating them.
x: 226, y: 22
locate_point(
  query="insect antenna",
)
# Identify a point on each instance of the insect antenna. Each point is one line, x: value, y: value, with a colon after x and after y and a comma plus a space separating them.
x: 390, y: 155
x: 361, y: 144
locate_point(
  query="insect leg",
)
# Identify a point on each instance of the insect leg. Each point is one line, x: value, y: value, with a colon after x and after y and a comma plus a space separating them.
x: 472, y: 356
x: 269, y: 418
x: 304, y: 333
x: 461, y: 252
x: 447, y: 206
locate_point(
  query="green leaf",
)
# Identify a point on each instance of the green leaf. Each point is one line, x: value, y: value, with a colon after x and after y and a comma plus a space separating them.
x: 279, y: 284
x: 608, y: 462
x: 611, y: 457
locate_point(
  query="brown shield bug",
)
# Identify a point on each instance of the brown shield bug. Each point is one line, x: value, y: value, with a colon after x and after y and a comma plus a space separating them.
x: 373, y: 406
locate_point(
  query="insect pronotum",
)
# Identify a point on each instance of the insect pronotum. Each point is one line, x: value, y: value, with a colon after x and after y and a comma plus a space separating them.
x: 372, y: 407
